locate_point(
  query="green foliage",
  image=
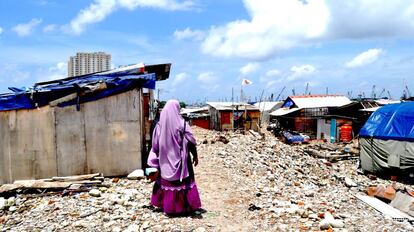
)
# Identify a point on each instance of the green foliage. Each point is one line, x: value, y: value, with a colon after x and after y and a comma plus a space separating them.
x: 161, y: 104
x: 183, y: 105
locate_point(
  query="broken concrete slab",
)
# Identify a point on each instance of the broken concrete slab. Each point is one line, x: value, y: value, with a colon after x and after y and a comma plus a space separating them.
x: 136, y: 175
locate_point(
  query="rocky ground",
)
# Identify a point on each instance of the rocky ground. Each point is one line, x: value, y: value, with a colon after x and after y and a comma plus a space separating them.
x: 246, y: 184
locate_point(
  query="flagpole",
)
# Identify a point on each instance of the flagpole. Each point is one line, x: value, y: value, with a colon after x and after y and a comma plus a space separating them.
x: 245, y: 110
x: 232, y: 108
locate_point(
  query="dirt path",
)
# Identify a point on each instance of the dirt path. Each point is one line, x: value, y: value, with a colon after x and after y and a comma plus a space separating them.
x: 224, y: 194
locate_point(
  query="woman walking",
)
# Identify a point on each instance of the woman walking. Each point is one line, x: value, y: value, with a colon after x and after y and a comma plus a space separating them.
x: 175, y: 190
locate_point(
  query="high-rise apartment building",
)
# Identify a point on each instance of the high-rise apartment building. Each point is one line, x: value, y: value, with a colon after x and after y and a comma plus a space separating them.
x: 85, y: 63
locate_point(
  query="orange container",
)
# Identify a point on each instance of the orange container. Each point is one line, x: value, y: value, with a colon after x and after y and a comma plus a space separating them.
x: 345, y: 133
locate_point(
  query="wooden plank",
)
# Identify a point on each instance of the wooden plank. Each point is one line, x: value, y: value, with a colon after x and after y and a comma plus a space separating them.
x: 38, y: 184
x: 75, y: 178
x: 63, y: 99
x: 385, y: 209
x: 70, y: 141
x: 92, y: 182
x: 114, y: 134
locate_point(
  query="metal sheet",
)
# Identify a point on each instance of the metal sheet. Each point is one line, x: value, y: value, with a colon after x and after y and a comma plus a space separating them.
x: 385, y: 209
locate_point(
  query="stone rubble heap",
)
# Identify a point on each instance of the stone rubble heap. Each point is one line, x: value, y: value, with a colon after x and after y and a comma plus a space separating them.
x: 292, y: 190
x: 287, y: 189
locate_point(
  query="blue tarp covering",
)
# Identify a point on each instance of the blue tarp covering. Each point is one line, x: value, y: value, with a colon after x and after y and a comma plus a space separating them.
x: 42, y: 94
x: 288, y: 103
x: 394, y: 121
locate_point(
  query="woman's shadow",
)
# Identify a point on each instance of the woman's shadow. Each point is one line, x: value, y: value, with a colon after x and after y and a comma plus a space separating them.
x: 197, y: 214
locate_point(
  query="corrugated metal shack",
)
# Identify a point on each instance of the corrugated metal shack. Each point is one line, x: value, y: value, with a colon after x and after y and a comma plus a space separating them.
x: 233, y: 116
x: 308, y: 113
x: 86, y: 124
x: 266, y: 108
x: 197, y: 116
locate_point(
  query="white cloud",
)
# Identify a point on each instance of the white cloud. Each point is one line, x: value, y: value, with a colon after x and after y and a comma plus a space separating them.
x: 269, y: 77
x: 189, y: 34
x: 300, y: 71
x: 58, y: 71
x: 100, y: 9
x: 273, y: 83
x: 274, y: 26
x: 207, y: 78
x: 12, y: 74
x: 160, y: 4
x: 1, y: 30
x: 365, y: 58
x: 273, y: 72
x: 25, y: 29
x: 96, y: 12
x: 277, y: 25
x: 249, y: 68
x: 179, y: 78
x: 49, y: 28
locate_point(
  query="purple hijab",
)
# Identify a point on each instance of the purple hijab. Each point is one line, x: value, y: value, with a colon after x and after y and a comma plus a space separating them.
x: 169, y: 153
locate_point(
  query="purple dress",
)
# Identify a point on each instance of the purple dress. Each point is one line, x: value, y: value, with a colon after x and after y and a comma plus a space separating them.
x: 175, y: 191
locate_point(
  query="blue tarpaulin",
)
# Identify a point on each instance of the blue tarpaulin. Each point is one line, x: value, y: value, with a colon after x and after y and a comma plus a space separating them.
x: 43, y: 93
x: 391, y: 122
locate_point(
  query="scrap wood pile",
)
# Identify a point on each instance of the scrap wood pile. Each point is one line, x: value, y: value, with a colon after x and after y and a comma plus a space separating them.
x: 333, y: 152
x: 70, y: 183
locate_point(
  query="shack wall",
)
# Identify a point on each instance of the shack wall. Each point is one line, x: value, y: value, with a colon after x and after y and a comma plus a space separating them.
x: 27, y: 144
x: 323, y: 129
x: 104, y: 136
x: 201, y: 122
x: 253, y: 124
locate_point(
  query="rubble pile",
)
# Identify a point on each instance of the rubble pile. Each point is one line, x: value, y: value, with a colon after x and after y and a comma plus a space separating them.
x: 123, y: 205
x: 291, y: 189
x: 247, y: 182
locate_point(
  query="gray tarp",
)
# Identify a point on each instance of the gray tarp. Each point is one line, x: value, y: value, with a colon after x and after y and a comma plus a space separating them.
x: 380, y: 155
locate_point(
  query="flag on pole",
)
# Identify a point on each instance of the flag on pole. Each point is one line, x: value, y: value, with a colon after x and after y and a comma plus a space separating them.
x: 246, y: 82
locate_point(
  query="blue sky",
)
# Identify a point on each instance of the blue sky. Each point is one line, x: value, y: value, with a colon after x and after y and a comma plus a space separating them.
x: 212, y: 45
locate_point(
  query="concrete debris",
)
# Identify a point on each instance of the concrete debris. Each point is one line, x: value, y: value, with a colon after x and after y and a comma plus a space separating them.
x: 246, y: 182
x: 382, y: 191
x: 3, y: 203
x: 137, y: 174
x: 95, y: 193
x: 349, y: 182
x: 329, y: 221
x: 403, y: 202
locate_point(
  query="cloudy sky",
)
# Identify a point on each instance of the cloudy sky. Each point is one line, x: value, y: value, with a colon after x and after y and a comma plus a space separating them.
x: 344, y: 47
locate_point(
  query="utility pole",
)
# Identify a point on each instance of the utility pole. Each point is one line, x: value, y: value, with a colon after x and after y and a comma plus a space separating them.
x: 382, y: 92
x: 389, y: 95
x: 307, y: 89
x: 408, y: 91
x: 373, y: 95
x: 280, y: 93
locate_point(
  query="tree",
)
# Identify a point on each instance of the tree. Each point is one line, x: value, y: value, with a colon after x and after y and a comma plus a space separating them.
x: 161, y: 104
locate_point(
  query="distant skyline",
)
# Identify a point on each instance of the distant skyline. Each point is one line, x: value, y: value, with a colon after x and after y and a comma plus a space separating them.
x: 213, y: 45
